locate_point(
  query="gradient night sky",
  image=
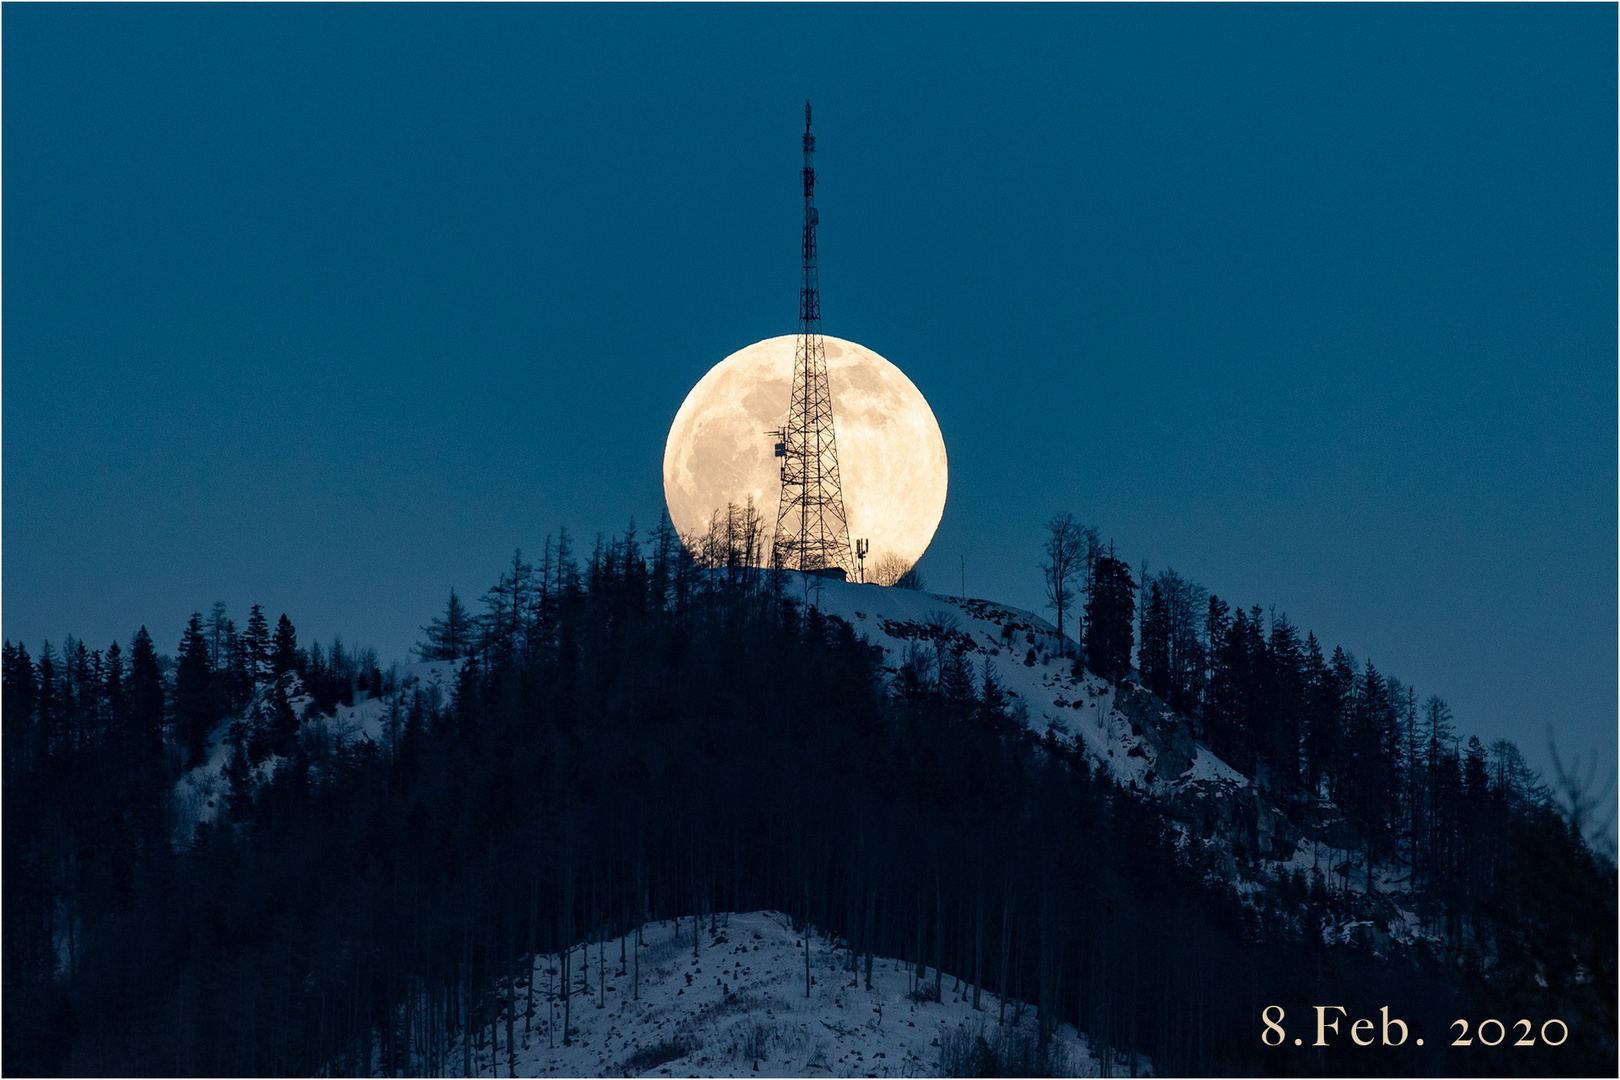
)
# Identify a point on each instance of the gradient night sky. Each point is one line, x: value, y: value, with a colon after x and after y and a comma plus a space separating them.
x: 328, y: 308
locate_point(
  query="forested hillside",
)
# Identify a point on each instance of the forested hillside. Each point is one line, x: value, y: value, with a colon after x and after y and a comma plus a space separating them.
x: 660, y: 730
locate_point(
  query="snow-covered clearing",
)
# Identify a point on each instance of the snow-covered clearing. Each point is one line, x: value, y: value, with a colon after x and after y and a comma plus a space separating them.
x: 737, y: 1007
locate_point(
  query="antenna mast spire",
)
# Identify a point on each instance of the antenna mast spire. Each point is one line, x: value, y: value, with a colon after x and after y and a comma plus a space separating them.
x: 812, y: 534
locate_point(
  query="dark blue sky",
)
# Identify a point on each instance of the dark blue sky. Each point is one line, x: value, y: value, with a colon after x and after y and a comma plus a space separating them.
x: 328, y: 308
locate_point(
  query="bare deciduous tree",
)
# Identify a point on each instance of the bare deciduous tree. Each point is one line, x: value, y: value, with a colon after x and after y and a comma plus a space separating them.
x: 1584, y: 799
x: 1068, y: 543
x: 892, y: 570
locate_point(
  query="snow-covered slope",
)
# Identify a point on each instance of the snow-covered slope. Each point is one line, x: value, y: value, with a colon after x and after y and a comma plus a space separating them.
x: 1138, y: 741
x: 737, y: 1006
x: 1123, y: 729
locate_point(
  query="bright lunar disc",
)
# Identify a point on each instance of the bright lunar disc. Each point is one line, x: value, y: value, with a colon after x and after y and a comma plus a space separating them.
x: 891, y: 456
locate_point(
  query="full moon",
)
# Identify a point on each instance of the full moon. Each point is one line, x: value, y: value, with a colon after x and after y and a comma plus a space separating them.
x: 891, y: 456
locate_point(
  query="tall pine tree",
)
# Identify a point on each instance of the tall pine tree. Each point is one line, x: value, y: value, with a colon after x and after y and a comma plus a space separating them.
x: 449, y: 637
x: 1110, y: 618
x: 194, y: 701
x: 284, y: 648
x: 257, y: 641
x: 145, y: 701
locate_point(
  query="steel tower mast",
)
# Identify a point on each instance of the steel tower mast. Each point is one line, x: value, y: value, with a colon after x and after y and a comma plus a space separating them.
x: 811, y: 532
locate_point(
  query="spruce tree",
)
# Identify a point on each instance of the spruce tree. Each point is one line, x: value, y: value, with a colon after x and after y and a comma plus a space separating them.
x: 1225, y: 721
x: 257, y: 640
x: 1287, y: 705
x: 992, y: 699
x: 1338, y: 700
x: 1319, y: 722
x: 1110, y: 618
x: 79, y: 689
x: 194, y: 703
x: 448, y: 637
x: 1476, y: 778
x: 318, y: 681
x: 284, y: 648
x: 218, y: 623
x: 1216, y: 677
x: 117, y: 700
x: 49, y: 704
x: 664, y: 548
x: 145, y: 701
x: 1371, y: 770
x: 1437, y: 721
x: 238, y: 673
x: 508, y: 600
x: 1439, y: 775
x: 283, y: 721
x: 1255, y: 694
x: 956, y: 679
x: 17, y: 731
x: 1474, y: 833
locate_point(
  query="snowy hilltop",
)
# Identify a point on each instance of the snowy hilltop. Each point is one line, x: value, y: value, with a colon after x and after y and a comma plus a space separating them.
x: 741, y: 995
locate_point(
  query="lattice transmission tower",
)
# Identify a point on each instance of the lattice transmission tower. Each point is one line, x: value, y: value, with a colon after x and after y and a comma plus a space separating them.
x: 811, y: 532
